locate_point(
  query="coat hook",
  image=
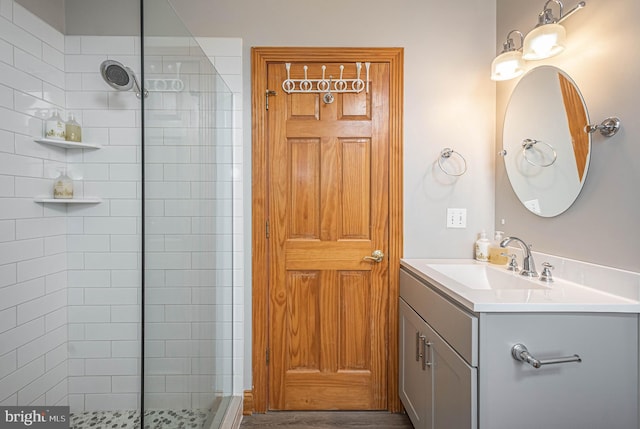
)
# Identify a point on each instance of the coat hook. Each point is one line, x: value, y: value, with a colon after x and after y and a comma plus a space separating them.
x: 358, y: 84
x: 305, y: 85
x: 367, y: 65
x: 323, y: 84
x: 288, y: 85
x: 340, y: 84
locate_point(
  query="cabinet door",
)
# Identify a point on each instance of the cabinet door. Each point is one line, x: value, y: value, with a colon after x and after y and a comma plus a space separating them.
x: 415, y: 386
x: 599, y: 392
x: 454, y: 386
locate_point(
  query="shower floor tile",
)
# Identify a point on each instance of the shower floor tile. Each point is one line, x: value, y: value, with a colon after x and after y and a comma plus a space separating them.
x: 130, y: 419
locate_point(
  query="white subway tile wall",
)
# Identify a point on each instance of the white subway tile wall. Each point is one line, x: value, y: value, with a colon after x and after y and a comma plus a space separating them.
x: 33, y: 263
x: 93, y: 262
x: 70, y: 276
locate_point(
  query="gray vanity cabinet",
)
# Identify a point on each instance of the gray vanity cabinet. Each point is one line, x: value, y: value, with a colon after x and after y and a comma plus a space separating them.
x: 437, y: 387
x: 471, y: 380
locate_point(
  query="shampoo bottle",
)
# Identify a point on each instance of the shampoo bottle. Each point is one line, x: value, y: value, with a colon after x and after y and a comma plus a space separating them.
x: 54, y: 127
x: 496, y: 252
x: 63, y: 186
x: 482, y: 247
x: 73, y: 132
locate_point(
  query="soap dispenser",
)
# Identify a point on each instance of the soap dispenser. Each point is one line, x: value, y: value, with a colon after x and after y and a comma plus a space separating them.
x: 54, y: 128
x: 63, y: 185
x: 73, y: 132
x: 497, y: 254
x: 482, y: 247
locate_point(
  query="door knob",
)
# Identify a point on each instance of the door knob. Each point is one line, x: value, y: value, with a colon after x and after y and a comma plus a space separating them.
x: 376, y: 256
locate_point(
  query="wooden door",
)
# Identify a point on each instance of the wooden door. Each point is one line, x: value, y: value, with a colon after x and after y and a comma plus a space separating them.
x: 318, y: 310
x: 328, y: 209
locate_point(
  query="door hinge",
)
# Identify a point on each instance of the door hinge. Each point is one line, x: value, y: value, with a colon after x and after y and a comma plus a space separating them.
x: 267, y: 228
x: 267, y: 94
x: 267, y: 356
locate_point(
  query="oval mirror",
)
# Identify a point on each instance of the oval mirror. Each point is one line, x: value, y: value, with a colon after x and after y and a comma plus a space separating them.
x: 545, y: 146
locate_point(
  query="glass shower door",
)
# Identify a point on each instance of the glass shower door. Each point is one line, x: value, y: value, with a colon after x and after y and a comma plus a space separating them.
x: 187, y: 186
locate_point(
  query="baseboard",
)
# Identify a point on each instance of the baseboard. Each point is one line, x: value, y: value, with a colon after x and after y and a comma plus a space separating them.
x: 247, y: 403
x: 233, y: 416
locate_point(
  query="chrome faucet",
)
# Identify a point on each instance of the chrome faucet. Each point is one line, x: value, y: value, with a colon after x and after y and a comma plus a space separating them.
x: 528, y: 266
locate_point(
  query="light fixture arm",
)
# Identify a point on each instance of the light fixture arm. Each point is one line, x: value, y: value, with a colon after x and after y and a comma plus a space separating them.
x: 546, y: 16
x: 509, y: 45
x: 572, y: 11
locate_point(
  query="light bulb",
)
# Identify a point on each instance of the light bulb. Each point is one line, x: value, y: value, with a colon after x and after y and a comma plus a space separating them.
x: 507, y: 65
x: 544, y: 41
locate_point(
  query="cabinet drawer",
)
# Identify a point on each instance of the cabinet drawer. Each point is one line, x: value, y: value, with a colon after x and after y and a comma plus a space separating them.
x: 456, y: 326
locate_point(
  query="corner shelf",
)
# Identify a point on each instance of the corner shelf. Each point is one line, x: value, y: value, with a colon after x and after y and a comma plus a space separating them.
x: 89, y: 200
x: 68, y: 145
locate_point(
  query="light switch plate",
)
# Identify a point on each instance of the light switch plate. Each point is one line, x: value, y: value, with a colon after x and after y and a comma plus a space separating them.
x: 456, y: 218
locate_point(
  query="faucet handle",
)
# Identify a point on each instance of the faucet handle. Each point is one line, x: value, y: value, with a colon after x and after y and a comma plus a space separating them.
x: 546, y: 275
x: 513, y: 264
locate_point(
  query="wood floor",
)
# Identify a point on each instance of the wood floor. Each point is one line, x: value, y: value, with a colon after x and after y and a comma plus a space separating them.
x: 327, y: 420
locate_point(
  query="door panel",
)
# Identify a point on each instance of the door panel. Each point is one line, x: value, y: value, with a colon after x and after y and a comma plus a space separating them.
x: 355, y: 344
x: 305, y: 188
x: 328, y: 208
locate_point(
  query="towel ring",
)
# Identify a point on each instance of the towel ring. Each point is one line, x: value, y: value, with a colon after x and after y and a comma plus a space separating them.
x: 446, y: 153
x: 529, y: 143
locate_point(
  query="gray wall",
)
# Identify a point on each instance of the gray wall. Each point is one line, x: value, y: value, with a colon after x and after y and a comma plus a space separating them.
x: 88, y: 17
x: 121, y: 18
x: 103, y: 18
x: 602, y: 225
x: 50, y: 11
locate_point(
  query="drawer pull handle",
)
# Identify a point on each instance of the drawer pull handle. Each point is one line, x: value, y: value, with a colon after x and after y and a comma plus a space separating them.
x: 426, y: 363
x: 419, y: 339
x: 521, y: 353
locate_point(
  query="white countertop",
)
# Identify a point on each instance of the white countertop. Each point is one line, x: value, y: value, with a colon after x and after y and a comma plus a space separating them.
x: 559, y: 296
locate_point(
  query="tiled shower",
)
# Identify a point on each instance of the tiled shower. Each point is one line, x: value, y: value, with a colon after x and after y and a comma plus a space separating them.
x: 164, y: 243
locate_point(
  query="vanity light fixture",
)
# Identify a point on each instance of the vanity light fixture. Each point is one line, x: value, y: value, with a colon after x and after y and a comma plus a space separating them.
x: 509, y: 64
x: 548, y: 38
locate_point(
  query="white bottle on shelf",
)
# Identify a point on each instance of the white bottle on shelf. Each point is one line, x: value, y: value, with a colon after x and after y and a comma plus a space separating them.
x: 54, y: 127
x: 63, y: 186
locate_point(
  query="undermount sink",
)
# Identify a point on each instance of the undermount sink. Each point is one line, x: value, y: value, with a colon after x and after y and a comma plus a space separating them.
x: 485, y: 277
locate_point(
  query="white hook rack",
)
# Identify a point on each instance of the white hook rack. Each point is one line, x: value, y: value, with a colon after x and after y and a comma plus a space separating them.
x: 340, y: 85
